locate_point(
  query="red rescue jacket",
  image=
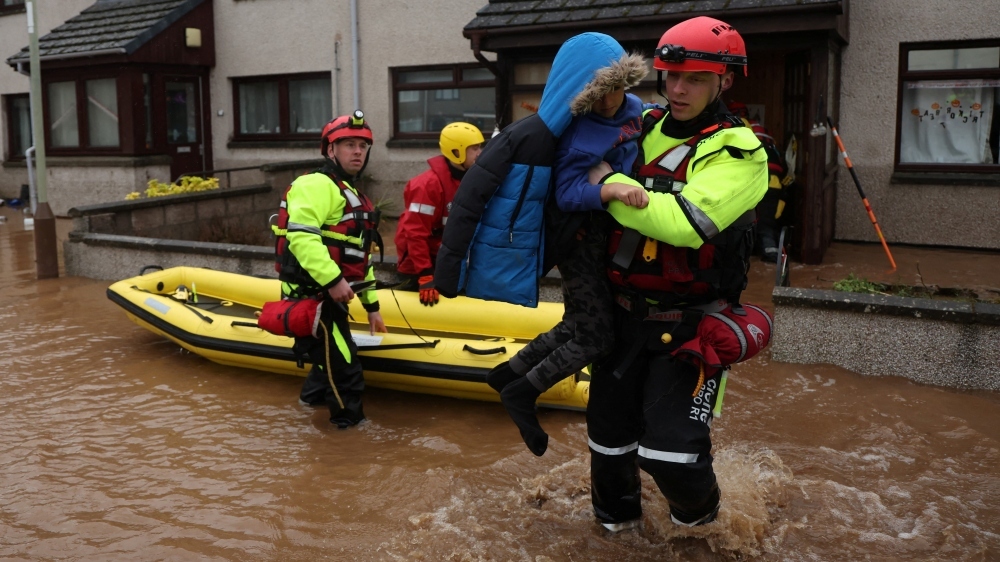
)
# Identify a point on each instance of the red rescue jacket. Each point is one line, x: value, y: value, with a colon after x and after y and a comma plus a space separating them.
x: 427, y: 202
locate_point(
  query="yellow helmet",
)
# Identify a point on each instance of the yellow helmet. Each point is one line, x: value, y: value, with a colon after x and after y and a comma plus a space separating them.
x: 456, y: 137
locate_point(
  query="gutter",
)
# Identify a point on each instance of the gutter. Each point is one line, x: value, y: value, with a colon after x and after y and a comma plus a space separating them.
x: 19, y: 62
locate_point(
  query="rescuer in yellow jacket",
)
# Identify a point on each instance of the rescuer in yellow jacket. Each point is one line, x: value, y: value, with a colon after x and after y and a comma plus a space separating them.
x: 325, y: 232
x: 672, y: 263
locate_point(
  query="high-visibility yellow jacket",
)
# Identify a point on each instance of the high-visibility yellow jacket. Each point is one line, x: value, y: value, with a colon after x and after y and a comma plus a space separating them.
x: 720, y: 187
x: 315, y: 203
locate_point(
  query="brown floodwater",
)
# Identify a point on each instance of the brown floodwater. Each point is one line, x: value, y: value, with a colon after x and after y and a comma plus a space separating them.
x: 118, y: 445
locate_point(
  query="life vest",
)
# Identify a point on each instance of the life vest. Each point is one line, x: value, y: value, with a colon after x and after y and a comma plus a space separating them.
x: 349, y: 241
x: 675, y: 275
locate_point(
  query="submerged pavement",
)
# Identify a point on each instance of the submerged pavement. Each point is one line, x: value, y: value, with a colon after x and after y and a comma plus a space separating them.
x: 119, y: 446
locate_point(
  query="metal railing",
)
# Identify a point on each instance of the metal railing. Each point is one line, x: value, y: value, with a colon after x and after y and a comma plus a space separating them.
x: 306, y: 165
x: 215, y: 173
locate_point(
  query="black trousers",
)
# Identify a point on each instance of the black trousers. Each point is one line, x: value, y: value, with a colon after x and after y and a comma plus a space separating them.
x: 649, y: 419
x: 347, y: 373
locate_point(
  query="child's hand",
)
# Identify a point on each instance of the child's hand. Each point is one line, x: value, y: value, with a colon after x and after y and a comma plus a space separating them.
x: 598, y: 173
x: 628, y: 194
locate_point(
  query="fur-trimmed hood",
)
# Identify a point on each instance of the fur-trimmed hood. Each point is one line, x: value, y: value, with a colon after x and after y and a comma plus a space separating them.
x: 625, y: 72
x: 586, y: 67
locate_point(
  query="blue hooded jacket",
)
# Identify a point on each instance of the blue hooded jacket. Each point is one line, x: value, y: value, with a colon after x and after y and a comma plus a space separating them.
x: 492, y: 246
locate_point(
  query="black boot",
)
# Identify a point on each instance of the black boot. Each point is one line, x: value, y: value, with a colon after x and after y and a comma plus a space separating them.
x: 518, y: 398
x: 501, y: 376
x: 345, y: 417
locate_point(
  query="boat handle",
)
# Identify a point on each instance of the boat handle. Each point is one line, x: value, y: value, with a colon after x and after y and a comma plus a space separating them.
x: 484, y: 351
x: 143, y: 270
x: 244, y: 324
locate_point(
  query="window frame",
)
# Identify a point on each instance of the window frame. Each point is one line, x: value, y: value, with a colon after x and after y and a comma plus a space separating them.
x: 514, y: 89
x: 82, y: 115
x: 16, y: 8
x: 906, y: 75
x: 284, y: 114
x: 8, y: 107
x: 456, y: 83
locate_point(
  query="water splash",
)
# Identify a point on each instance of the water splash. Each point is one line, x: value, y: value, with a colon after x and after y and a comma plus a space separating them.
x: 549, y: 517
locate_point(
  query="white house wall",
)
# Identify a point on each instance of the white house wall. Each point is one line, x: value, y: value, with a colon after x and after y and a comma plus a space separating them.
x: 260, y: 37
x: 951, y: 215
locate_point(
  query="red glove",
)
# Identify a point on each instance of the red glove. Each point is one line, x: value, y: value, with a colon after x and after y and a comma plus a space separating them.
x: 429, y: 296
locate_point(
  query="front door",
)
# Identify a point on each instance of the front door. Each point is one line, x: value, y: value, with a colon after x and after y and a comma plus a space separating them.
x: 184, y: 133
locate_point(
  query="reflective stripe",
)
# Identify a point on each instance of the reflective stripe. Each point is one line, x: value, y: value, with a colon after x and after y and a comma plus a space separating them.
x: 444, y: 220
x: 296, y: 227
x: 352, y: 199
x: 770, y: 325
x: 701, y: 220
x: 680, y: 458
x: 283, y: 205
x: 354, y: 252
x: 356, y: 215
x: 677, y: 187
x: 736, y: 330
x: 422, y: 209
x: 612, y: 451
x: 673, y: 158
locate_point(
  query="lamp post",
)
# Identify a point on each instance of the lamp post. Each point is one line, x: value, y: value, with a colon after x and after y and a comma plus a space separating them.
x: 46, y: 254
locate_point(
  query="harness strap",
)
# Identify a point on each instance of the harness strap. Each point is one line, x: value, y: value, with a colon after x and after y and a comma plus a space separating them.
x: 626, y: 248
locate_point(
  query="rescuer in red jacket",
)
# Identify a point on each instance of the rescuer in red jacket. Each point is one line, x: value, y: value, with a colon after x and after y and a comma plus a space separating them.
x: 426, y: 203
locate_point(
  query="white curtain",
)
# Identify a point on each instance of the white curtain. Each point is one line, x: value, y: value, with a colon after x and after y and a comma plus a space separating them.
x: 22, y: 118
x: 259, y: 108
x: 309, y: 104
x: 947, y: 121
x: 102, y: 112
x: 62, y: 114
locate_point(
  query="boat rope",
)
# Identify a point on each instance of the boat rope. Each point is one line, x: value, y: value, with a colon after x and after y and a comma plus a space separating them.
x: 701, y: 379
x: 392, y: 290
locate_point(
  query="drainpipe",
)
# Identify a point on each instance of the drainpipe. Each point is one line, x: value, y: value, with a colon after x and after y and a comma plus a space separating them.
x: 490, y: 65
x: 355, y: 40
x: 46, y: 256
x: 336, y: 74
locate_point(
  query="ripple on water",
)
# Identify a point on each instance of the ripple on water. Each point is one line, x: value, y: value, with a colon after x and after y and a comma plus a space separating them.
x: 552, y: 512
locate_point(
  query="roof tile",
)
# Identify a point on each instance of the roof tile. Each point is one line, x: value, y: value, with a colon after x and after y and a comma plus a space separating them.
x: 612, y: 13
x: 524, y: 19
x: 710, y: 5
x: 579, y: 15
x: 676, y: 7
x: 743, y: 4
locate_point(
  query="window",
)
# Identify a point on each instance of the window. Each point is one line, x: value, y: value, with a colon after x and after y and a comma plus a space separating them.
x: 18, y: 125
x: 949, y: 95
x: 11, y: 6
x: 427, y: 98
x: 290, y: 107
x: 100, y: 114
x: 530, y: 78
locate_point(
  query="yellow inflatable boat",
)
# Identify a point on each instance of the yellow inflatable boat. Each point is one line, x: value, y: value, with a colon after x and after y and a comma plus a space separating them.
x: 445, y: 350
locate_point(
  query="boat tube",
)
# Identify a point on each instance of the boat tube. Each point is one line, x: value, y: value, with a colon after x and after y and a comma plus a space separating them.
x: 445, y: 350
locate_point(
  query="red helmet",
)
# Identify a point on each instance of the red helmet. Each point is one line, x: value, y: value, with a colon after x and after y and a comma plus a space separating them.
x: 700, y: 44
x: 351, y: 126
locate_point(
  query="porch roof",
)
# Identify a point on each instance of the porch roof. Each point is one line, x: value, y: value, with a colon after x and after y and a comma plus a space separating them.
x: 517, y: 23
x: 108, y: 27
